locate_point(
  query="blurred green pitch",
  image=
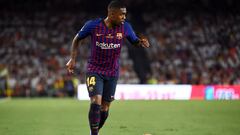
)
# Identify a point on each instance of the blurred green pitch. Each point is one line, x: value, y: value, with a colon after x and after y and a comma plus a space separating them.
x: 69, y: 117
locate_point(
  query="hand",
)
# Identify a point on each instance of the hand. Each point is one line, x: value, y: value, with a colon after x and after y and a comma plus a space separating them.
x: 70, y: 66
x: 144, y: 42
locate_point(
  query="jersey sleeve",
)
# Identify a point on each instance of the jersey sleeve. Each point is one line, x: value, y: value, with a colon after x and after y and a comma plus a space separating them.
x: 85, y: 30
x: 130, y: 34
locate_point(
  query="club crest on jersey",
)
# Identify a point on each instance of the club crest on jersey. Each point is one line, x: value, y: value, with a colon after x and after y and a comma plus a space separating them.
x: 119, y: 36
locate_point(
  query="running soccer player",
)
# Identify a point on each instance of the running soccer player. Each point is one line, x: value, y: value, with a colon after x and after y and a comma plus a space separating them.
x: 103, y: 64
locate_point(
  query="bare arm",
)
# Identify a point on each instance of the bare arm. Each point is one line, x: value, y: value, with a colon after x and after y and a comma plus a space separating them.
x: 74, y: 47
x: 74, y: 50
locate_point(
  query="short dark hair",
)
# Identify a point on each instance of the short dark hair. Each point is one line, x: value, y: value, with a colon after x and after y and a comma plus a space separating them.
x: 116, y: 4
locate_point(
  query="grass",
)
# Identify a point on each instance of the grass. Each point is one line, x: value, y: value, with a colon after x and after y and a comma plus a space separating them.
x: 69, y: 117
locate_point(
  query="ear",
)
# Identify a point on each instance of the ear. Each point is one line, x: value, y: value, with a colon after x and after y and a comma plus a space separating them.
x: 112, y: 13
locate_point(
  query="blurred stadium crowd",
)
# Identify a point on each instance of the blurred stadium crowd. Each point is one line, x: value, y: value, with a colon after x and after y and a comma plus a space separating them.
x: 191, y: 43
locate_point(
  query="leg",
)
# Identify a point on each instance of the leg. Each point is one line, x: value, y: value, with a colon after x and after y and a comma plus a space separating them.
x: 94, y: 114
x: 108, y: 96
x: 104, y: 113
x: 95, y: 90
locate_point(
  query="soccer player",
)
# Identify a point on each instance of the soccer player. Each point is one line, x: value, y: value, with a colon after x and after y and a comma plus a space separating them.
x: 103, y: 64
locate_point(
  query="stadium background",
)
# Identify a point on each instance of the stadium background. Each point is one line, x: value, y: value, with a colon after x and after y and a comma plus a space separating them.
x: 193, y: 42
x: 195, y: 54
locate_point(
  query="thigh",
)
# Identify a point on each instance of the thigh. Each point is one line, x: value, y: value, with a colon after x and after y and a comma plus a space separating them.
x: 109, y: 89
x: 94, y: 84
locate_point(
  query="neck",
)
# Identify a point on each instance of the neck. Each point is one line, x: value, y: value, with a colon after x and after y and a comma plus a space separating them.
x: 108, y: 22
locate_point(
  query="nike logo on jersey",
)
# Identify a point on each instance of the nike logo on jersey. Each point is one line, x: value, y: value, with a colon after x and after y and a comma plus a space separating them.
x: 98, y: 35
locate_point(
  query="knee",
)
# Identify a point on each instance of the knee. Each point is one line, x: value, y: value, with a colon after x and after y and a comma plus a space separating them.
x: 96, y: 99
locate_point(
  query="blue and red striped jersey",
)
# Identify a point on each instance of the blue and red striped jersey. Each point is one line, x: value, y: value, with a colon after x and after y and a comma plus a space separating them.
x: 106, y: 45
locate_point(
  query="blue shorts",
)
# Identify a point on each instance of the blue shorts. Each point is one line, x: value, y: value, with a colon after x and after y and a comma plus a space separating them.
x: 98, y: 84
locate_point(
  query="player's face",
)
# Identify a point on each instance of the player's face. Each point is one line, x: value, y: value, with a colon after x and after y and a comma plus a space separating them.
x: 119, y: 16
